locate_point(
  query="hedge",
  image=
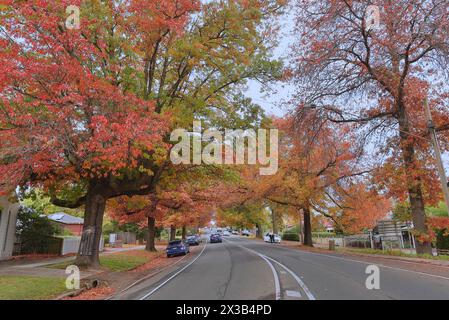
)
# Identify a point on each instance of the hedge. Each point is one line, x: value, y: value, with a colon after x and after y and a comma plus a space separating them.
x: 289, y: 236
x: 442, y: 240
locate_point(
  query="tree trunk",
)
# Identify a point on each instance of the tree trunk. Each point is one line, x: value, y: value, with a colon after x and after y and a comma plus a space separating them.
x: 184, y: 232
x: 172, y: 233
x: 307, y: 228
x: 88, y: 253
x: 414, y: 184
x: 274, y: 220
x: 151, y: 235
x: 258, y: 231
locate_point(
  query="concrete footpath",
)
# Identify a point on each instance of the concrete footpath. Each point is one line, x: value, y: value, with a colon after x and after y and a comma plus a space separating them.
x: 39, y: 267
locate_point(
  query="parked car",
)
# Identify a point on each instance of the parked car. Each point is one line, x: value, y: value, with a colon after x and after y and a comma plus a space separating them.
x: 235, y: 232
x: 177, y: 247
x: 193, y: 240
x: 246, y: 233
x: 277, y: 238
x: 226, y: 233
x: 215, y: 238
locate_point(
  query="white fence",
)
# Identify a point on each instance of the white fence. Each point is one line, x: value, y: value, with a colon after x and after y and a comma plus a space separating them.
x: 324, y: 241
x: 72, y: 244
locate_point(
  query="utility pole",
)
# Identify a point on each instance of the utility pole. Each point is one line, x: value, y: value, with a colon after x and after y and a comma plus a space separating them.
x: 436, y: 147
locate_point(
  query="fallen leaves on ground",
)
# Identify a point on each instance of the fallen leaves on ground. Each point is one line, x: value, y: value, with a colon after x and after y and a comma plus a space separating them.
x: 93, y: 294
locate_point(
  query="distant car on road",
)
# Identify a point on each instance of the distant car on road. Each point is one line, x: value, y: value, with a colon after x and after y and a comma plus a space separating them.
x: 226, y: 233
x: 246, y: 233
x: 215, y: 238
x: 193, y: 240
x: 177, y: 247
x: 235, y: 232
x: 277, y: 238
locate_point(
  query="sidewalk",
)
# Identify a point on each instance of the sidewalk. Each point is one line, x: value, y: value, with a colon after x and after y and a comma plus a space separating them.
x: 38, y: 268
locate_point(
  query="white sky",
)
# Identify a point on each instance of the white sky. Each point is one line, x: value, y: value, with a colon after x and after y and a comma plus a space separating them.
x: 276, y: 103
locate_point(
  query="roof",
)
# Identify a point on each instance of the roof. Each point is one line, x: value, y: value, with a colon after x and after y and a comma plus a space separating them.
x: 65, y: 218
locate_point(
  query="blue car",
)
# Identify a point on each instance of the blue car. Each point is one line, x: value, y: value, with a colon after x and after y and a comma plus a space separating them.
x: 215, y: 238
x: 193, y: 240
x: 177, y: 247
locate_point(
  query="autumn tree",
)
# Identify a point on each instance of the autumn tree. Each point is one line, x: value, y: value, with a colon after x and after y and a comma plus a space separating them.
x: 145, y: 211
x: 85, y: 113
x: 372, y: 64
x: 353, y: 206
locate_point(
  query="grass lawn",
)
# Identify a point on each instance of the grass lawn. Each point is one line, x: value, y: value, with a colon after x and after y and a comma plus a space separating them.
x: 121, y: 261
x: 396, y: 253
x: 30, y: 288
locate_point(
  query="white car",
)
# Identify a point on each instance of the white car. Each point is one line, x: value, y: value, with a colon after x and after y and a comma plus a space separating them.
x: 226, y: 233
x: 277, y: 238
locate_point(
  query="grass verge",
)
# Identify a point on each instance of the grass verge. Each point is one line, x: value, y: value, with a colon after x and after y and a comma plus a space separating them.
x: 30, y: 288
x: 395, y: 253
x: 121, y: 261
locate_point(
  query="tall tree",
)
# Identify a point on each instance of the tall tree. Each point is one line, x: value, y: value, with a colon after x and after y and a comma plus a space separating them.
x: 85, y: 113
x: 372, y: 64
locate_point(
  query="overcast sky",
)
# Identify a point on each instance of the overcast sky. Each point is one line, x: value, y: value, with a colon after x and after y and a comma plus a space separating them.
x: 276, y: 103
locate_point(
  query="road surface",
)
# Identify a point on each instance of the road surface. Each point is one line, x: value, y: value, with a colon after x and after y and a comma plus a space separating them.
x: 241, y: 269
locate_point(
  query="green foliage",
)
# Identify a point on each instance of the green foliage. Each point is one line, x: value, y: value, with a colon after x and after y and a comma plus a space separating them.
x: 36, y: 231
x: 294, y: 229
x: 402, y: 212
x: 290, y: 236
x: 324, y: 234
x: 38, y: 201
x: 442, y: 240
x: 440, y: 211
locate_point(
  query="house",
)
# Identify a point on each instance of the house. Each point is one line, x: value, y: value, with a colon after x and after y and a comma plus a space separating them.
x: 68, y: 223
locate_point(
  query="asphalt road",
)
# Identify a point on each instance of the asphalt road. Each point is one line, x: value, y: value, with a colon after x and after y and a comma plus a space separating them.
x: 245, y: 269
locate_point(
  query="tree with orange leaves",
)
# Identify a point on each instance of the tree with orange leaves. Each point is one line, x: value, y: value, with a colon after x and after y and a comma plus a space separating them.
x: 372, y: 64
x: 85, y: 113
x: 316, y: 161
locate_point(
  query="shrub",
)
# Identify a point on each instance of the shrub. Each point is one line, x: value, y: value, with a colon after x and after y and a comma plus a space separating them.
x: 324, y: 234
x: 442, y: 240
x: 36, y: 232
x: 290, y: 236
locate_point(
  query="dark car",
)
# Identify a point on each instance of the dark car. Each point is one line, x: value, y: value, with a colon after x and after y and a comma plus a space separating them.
x: 177, y: 247
x: 215, y: 238
x: 193, y: 240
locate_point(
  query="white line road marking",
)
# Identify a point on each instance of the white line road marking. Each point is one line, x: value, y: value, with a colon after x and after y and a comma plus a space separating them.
x: 293, y: 294
x: 173, y: 276
x: 147, y: 277
x: 370, y: 263
x: 277, y: 284
x: 298, y: 280
x: 380, y: 265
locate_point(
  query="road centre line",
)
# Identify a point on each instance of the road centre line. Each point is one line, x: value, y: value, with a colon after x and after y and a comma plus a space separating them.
x: 308, y: 293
